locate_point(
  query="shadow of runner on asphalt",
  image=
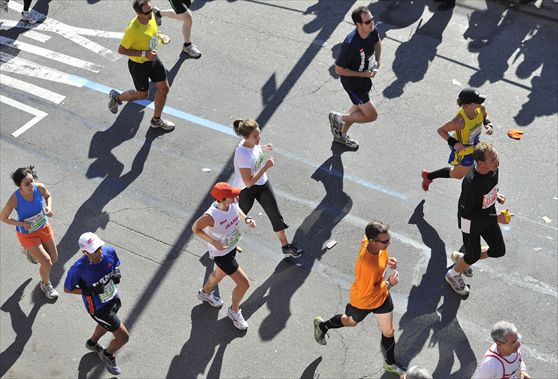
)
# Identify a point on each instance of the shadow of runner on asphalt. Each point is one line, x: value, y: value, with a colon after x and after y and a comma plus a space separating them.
x: 22, y: 324
x: 209, y: 338
x: 310, y: 371
x: 423, y: 314
x: 413, y: 57
x: 91, y: 216
x: 291, y: 273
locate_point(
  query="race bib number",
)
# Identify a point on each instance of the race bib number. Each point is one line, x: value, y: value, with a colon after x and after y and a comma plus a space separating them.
x: 490, y: 198
x: 36, y: 222
x: 232, y: 238
x: 153, y: 42
x: 109, y: 292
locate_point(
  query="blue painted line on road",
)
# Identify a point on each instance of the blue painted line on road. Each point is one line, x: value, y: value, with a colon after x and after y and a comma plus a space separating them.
x: 82, y: 82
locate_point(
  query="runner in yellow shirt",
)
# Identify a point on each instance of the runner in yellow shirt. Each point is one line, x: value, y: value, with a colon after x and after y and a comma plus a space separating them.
x: 139, y: 44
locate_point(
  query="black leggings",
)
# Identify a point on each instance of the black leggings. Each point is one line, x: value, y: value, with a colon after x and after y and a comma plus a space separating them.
x: 491, y: 233
x: 266, y: 198
x: 26, y: 5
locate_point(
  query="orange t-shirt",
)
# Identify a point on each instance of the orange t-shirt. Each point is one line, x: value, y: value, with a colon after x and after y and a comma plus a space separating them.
x: 369, y: 289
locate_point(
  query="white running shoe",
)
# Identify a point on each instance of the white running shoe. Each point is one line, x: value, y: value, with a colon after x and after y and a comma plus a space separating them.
x: 163, y: 124
x: 26, y: 16
x: 212, y: 299
x: 192, y: 51
x: 455, y: 258
x: 458, y: 284
x: 237, y: 319
x: 49, y: 290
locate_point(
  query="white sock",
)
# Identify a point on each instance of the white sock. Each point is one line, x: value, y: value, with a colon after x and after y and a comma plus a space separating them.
x: 339, y: 117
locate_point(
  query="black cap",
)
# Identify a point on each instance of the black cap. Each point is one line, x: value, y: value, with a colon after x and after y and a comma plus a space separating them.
x: 471, y: 95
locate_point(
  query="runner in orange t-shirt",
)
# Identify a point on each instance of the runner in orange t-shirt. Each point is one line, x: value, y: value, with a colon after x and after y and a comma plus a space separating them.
x: 370, y: 293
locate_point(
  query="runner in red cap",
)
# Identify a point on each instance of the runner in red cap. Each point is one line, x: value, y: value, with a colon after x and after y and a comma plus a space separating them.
x: 219, y: 227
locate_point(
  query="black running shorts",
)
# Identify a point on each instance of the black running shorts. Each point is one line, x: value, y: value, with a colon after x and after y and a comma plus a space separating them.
x: 360, y: 314
x: 227, y: 262
x: 106, y: 316
x: 180, y: 6
x: 142, y: 72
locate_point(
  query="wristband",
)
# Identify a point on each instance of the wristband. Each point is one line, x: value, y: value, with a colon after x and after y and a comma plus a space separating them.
x: 486, y: 121
x: 452, y: 141
x: 247, y: 219
x: 389, y: 285
x: 143, y: 53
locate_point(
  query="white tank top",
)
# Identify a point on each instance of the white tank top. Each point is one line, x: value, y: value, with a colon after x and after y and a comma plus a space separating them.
x: 225, y: 228
x: 494, y: 365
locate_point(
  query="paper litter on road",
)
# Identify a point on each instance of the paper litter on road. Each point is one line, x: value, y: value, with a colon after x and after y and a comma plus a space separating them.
x: 205, y: 169
x: 331, y: 243
x: 547, y: 220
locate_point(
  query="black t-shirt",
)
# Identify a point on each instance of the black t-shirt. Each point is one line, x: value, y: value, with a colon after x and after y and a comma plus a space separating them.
x: 357, y: 54
x: 478, y: 196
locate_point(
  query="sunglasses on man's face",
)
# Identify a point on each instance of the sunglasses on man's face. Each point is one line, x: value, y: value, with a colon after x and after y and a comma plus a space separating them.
x: 368, y: 22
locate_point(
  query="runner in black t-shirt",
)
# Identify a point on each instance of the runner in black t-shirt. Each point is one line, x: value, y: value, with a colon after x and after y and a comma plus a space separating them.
x: 477, y: 216
x: 357, y: 63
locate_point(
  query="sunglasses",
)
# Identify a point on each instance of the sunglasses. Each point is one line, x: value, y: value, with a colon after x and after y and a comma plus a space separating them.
x: 383, y: 242
x: 146, y: 13
x: 368, y: 22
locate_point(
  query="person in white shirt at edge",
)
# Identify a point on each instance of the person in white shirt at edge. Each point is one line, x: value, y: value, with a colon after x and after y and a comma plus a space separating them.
x: 219, y: 227
x: 250, y: 167
x: 503, y: 359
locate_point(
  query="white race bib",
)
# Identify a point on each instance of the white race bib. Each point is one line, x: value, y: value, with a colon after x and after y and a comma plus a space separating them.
x: 232, y: 238
x: 109, y: 292
x: 36, y: 222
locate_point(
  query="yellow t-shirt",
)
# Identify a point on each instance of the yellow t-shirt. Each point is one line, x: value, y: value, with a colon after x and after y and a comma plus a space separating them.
x: 470, y: 134
x: 369, y: 289
x: 140, y: 37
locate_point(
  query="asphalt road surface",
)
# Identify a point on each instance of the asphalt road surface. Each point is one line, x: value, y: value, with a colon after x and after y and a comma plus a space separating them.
x: 140, y: 190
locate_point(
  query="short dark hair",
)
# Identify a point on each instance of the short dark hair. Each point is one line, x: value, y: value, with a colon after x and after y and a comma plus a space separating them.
x: 20, y: 174
x: 138, y: 5
x: 481, y: 149
x: 374, y: 229
x: 356, y: 14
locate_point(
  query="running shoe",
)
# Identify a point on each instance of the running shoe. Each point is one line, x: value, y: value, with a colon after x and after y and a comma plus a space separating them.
x: 163, y: 124
x: 49, y: 290
x: 113, y: 101
x: 347, y: 141
x: 110, y: 362
x: 192, y: 51
x: 458, y: 284
x: 394, y: 368
x: 292, y: 250
x: 237, y: 319
x: 455, y: 258
x: 26, y: 16
x: 334, y: 124
x: 319, y: 335
x: 4, y: 5
x: 425, y: 181
x: 157, y: 14
x: 96, y: 347
x: 212, y: 299
x: 30, y: 258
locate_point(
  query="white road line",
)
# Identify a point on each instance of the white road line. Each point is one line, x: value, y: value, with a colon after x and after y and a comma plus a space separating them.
x: 64, y: 30
x: 49, y: 54
x: 40, y: 37
x: 81, y: 31
x: 24, y: 67
x: 39, y: 115
x: 32, y: 89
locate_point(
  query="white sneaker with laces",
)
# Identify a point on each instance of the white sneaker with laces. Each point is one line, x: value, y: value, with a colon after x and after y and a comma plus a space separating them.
x: 455, y: 256
x: 212, y: 299
x: 49, y: 290
x: 26, y: 16
x: 458, y: 284
x: 237, y: 319
x: 163, y: 124
x: 192, y: 51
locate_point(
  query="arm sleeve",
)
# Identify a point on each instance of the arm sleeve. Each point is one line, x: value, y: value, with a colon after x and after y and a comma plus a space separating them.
x: 242, y: 159
x: 344, y: 56
x: 72, y: 279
